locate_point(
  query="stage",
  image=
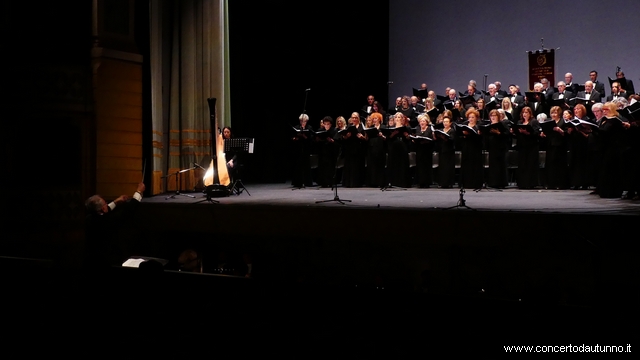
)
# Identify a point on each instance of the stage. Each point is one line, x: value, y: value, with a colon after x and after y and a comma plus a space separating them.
x: 510, y: 199
x: 523, y: 264
x: 549, y: 245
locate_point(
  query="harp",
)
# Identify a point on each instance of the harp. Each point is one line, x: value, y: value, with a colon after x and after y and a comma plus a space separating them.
x: 216, y: 179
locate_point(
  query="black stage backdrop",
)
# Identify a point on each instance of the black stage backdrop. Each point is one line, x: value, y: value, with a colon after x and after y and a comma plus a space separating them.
x: 279, y: 49
x: 449, y: 43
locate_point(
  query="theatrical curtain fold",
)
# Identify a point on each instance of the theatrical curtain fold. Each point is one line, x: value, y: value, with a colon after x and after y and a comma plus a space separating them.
x: 189, y: 63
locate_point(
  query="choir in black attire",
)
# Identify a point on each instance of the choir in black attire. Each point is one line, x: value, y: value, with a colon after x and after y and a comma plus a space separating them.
x: 611, y: 135
x: 472, y: 161
x: 498, y: 141
x: 376, y: 154
x: 580, y: 163
x: 424, y: 153
x: 528, y: 150
x: 398, y: 148
x: 302, y: 145
x: 354, y: 147
x: 556, y: 154
x: 327, y: 149
x: 446, y: 155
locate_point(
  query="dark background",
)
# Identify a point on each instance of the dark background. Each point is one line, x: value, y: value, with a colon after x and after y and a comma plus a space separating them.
x: 449, y: 43
x: 279, y: 49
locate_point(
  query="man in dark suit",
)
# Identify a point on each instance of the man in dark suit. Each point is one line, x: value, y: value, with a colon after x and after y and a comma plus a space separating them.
x: 547, y: 89
x: 597, y: 85
x: 472, y: 89
x: 432, y: 95
x: 499, y: 89
x: 569, y: 84
x: 416, y: 105
x: 517, y: 101
x: 628, y: 87
x: 616, y: 92
x: 452, y: 97
x: 563, y: 94
x: 493, y: 95
x: 368, y: 108
x: 103, y: 226
x: 590, y: 94
x: 538, y: 104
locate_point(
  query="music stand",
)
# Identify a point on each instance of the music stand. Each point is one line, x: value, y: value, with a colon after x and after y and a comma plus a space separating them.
x: 177, y: 175
x: 238, y: 145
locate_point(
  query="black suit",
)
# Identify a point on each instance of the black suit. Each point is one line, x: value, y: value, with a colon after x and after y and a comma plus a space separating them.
x: 103, y: 235
x: 628, y: 87
x: 567, y: 95
x: 517, y: 102
x: 548, y: 92
x: 623, y: 94
x: 538, y: 108
x: 419, y: 108
x: 594, y: 97
x: 599, y: 87
x: 572, y: 88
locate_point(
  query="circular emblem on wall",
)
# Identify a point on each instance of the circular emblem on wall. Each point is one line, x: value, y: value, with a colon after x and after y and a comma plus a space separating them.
x: 542, y: 59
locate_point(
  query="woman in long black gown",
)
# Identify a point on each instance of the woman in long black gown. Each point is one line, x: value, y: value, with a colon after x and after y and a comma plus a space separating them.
x: 398, y: 169
x: 445, y: 144
x: 302, y: 142
x: 556, y: 154
x: 498, y: 141
x: 354, y: 150
x: 424, y: 151
x: 527, y: 142
x: 580, y: 169
x: 376, y: 154
x: 472, y: 161
x: 611, y: 133
x: 327, y: 152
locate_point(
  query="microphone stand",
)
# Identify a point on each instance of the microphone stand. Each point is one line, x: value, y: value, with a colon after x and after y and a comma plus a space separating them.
x: 177, y: 175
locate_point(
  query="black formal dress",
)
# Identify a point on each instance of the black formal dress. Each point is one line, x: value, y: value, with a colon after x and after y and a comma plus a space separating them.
x: 609, y: 181
x: 411, y: 114
x: 528, y: 156
x: 354, y: 151
x: 424, y: 157
x: 580, y: 165
x: 556, y: 164
x: 594, y: 154
x: 446, y: 158
x: 301, y: 153
x: 327, y: 149
x: 472, y: 161
x: 632, y: 159
x: 398, y: 170
x: 498, y: 145
x: 376, y: 161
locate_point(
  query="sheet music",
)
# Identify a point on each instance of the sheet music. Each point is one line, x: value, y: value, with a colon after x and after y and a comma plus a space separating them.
x: 239, y: 144
x: 134, y: 263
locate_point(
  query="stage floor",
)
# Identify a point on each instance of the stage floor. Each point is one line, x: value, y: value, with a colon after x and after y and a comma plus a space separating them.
x: 509, y: 199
